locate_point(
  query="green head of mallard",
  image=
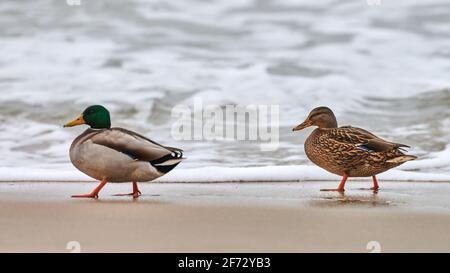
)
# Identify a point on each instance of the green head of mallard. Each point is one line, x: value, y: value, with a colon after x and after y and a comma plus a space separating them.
x: 321, y: 117
x: 95, y: 116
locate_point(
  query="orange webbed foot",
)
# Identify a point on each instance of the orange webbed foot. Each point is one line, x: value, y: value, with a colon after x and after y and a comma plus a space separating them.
x: 374, y: 189
x: 89, y: 195
x: 134, y: 194
x: 341, y: 185
x: 94, y: 193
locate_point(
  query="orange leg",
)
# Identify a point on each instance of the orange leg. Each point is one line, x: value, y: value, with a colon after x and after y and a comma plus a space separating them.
x: 375, y: 183
x: 94, y: 193
x: 136, y: 192
x: 341, y: 185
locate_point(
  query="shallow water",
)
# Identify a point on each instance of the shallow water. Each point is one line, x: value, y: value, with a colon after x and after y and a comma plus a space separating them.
x: 384, y: 68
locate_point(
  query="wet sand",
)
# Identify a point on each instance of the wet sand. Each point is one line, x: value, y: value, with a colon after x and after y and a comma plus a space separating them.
x: 225, y: 217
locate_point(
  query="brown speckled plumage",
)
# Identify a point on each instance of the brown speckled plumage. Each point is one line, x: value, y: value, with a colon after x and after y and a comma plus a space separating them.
x: 349, y: 151
x: 339, y: 150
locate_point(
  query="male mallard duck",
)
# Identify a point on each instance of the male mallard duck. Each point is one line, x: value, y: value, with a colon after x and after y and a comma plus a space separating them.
x: 117, y: 155
x: 349, y: 151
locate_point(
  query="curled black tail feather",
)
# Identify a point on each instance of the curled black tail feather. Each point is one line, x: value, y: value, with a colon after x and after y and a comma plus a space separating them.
x: 167, y: 168
x: 166, y: 163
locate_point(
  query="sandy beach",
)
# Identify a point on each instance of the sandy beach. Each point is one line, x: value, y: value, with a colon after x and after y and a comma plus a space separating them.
x: 225, y: 217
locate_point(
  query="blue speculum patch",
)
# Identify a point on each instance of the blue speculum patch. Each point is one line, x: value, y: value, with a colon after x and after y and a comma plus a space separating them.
x: 362, y: 147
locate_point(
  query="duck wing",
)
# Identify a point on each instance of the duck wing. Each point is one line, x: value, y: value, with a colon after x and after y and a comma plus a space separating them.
x: 363, y: 139
x: 137, y: 146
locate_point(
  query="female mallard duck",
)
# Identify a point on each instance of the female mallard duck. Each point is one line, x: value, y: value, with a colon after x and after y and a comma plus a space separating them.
x: 117, y: 155
x: 349, y: 151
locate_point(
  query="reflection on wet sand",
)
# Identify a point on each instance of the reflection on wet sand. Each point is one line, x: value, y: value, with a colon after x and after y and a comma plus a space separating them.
x: 371, y: 199
x: 147, y: 199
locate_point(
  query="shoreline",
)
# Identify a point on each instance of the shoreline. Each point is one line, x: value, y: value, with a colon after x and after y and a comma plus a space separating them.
x: 225, y: 217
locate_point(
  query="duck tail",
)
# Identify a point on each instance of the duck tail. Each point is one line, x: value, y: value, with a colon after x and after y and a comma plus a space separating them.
x: 166, y: 163
x: 401, y: 159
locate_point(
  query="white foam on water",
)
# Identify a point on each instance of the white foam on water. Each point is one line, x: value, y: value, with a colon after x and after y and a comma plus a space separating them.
x: 220, y: 174
x: 282, y: 173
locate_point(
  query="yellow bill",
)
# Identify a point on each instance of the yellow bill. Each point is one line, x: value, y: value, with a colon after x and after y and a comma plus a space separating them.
x: 78, y: 121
